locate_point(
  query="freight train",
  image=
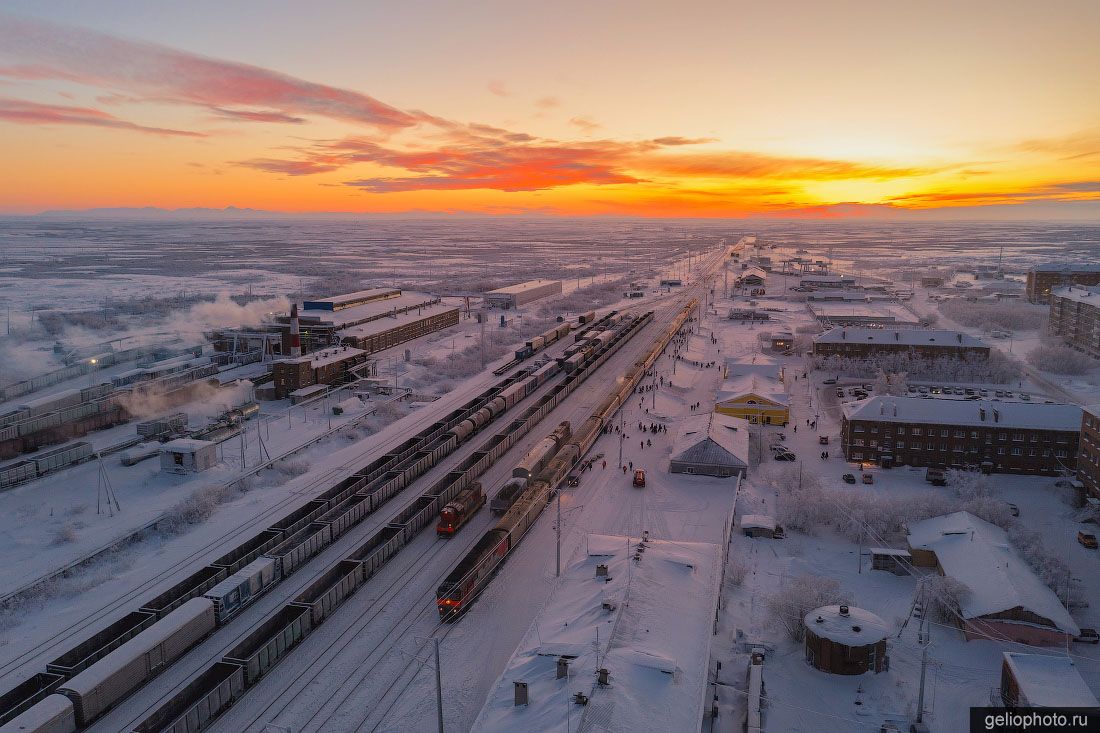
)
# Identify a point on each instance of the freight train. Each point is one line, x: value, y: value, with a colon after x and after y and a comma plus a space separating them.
x: 461, y: 588
x: 102, y: 670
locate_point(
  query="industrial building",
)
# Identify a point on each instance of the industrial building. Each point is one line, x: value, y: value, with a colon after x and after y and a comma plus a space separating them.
x: 711, y: 445
x: 382, y: 334
x: 862, y: 313
x: 1075, y: 317
x: 846, y: 640
x: 1007, y: 600
x: 1042, y: 280
x: 515, y: 296
x: 335, y: 365
x: 326, y: 322
x: 1009, y: 437
x: 188, y: 456
x: 864, y: 343
x: 836, y: 282
x: 1088, y: 456
x: 1043, y: 681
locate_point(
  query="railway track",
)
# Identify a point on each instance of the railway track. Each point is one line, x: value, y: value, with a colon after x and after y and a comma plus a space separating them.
x: 542, y: 407
x: 382, y: 657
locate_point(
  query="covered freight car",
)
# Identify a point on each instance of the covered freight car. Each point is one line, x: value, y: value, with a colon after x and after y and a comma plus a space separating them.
x: 112, y: 678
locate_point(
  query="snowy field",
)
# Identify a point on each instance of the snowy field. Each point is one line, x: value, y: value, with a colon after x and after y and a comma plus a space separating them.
x: 83, y: 285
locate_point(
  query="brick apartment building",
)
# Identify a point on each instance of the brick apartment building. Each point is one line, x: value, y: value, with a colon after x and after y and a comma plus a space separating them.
x: 1088, y: 459
x: 867, y: 342
x: 1007, y: 437
x: 1043, y: 279
x: 1075, y: 317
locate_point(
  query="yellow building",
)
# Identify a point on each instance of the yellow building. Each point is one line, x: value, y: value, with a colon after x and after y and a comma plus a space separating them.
x: 756, y: 399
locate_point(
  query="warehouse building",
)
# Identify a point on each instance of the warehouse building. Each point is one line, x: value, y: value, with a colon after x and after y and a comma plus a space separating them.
x: 1088, y: 456
x: 837, y: 282
x: 336, y: 365
x: 862, y: 313
x: 864, y: 343
x: 1007, y: 600
x: 324, y: 322
x: 1042, y: 280
x: 1075, y: 317
x: 384, y: 333
x: 1009, y: 437
x: 711, y: 445
x: 515, y: 296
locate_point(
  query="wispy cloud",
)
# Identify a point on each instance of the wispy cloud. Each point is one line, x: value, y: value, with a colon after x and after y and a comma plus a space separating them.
x: 34, y: 113
x: 497, y: 87
x: 547, y: 102
x: 586, y: 125
x: 43, y: 50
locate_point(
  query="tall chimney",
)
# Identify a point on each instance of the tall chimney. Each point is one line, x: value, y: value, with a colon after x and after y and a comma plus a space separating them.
x: 295, y: 333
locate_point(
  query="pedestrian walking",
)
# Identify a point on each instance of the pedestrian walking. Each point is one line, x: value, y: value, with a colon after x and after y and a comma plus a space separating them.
x: 605, y: 463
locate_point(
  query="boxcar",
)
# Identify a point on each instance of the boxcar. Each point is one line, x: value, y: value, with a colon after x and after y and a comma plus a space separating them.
x: 241, y: 588
x: 109, y: 680
x: 54, y: 714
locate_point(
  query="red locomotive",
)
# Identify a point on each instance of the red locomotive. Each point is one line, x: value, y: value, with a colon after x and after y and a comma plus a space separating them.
x: 460, y: 509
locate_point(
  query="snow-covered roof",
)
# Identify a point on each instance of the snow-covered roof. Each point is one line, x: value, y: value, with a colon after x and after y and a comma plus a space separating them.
x: 654, y: 640
x: 978, y: 554
x: 757, y: 521
x: 857, y: 627
x: 739, y: 386
x: 372, y: 328
x: 1049, y: 681
x: 905, y: 336
x: 185, y: 445
x: 712, y: 439
x: 1078, y: 294
x: 979, y: 413
x: 375, y: 309
x: 754, y: 270
x: 876, y: 309
x: 1068, y: 267
x: 522, y: 287
x: 827, y: 278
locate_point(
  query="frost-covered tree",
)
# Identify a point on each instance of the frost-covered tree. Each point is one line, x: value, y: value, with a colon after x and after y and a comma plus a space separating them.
x: 1060, y: 360
x: 800, y: 595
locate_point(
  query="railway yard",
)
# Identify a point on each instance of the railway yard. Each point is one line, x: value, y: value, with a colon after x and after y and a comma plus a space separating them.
x: 361, y: 533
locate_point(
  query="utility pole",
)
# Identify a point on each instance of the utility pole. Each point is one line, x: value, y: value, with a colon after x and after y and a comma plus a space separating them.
x: 438, y: 686
x: 557, y: 528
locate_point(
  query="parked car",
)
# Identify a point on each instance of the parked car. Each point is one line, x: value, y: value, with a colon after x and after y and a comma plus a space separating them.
x: 829, y: 381
x: 1087, y: 540
x: 781, y: 436
x: 785, y: 456
x: 1025, y: 397
x: 868, y: 478
x: 922, y: 389
x: 983, y: 392
x: 840, y: 392
x: 970, y: 391
x: 573, y: 480
x: 999, y: 393
x: 639, y: 478
x: 848, y: 478
x: 777, y: 533
x: 912, y: 389
x: 1087, y: 636
x: 936, y: 476
x: 935, y: 389
x: 959, y: 391
x: 823, y: 440
x: 1013, y: 509
x: 779, y: 448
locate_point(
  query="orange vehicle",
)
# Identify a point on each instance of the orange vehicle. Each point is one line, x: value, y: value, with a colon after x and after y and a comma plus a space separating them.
x: 639, y: 478
x: 459, y: 510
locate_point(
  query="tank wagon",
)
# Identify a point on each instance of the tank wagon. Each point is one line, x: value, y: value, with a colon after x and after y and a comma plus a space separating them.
x: 537, y: 458
x: 214, y: 595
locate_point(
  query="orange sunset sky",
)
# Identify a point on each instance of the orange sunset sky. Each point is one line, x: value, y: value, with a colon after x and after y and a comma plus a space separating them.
x: 802, y: 108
